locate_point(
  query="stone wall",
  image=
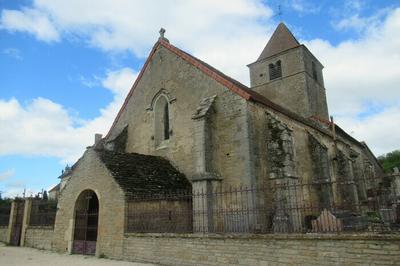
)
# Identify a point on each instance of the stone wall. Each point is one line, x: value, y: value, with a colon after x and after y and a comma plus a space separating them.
x: 39, y: 237
x: 263, y: 249
x: 90, y: 173
x: 159, y: 216
x: 280, y: 149
x: 3, y: 233
x: 186, y: 87
x: 304, y: 150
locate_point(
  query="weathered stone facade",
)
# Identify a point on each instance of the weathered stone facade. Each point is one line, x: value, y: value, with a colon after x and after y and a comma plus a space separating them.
x: 185, y: 125
x: 280, y: 149
x: 186, y: 87
x: 322, y: 175
x: 39, y: 237
x: 3, y: 233
x: 90, y: 173
x: 300, y: 88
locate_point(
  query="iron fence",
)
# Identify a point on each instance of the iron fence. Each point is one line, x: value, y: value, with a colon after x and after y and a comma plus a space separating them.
x: 276, y: 206
x: 160, y: 213
x: 43, y: 212
x: 5, y: 210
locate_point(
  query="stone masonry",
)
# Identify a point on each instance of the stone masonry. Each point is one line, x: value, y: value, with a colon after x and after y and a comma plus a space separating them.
x: 262, y: 250
x: 91, y: 174
x: 209, y: 131
x: 3, y: 233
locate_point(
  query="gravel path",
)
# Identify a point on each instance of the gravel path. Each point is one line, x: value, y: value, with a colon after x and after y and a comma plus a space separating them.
x: 22, y: 256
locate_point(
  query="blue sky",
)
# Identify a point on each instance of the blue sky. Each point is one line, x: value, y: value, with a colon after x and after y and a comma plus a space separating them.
x: 66, y: 66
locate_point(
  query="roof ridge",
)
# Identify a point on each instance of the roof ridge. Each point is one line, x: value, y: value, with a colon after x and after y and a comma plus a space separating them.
x: 153, y: 50
x: 228, y: 82
x: 232, y: 84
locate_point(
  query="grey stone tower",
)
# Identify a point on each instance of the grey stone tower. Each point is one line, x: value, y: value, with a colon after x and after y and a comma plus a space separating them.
x: 288, y: 74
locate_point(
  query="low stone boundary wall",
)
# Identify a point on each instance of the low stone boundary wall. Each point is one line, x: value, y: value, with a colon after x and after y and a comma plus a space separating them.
x: 39, y: 237
x: 3, y: 233
x: 313, y: 249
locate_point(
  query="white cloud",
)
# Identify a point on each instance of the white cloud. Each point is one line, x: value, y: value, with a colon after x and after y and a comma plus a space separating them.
x: 18, y: 191
x: 225, y: 33
x: 354, y: 22
x: 12, y: 192
x: 117, y: 81
x: 304, y: 6
x: 13, y: 52
x: 89, y: 82
x: 362, y: 71
x: 360, y: 23
x: 45, y: 128
x: 362, y: 74
x: 7, y: 174
x: 354, y: 5
x: 228, y: 35
x: 381, y: 129
x: 29, y: 20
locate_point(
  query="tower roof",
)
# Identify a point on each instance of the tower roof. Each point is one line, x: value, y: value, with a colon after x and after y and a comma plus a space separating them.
x: 282, y: 39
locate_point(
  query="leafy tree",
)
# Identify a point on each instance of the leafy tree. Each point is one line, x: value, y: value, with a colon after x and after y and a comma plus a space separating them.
x: 5, y: 201
x: 390, y: 160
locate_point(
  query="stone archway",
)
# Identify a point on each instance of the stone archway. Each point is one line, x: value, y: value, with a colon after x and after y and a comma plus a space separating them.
x: 86, y: 223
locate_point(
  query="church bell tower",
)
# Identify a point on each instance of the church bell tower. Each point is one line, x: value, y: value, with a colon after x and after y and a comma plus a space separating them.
x: 288, y: 74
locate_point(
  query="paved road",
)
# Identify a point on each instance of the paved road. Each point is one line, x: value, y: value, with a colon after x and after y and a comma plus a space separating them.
x: 21, y: 256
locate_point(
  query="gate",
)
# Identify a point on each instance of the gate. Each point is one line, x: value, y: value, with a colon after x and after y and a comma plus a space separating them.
x: 86, y: 223
x: 85, y: 235
x: 17, y: 225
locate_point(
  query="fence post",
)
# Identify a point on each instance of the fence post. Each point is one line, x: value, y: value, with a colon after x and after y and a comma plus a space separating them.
x: 25, y: 221
x: 396, y: 192
x: 11, y: 222
x: 396, y: 181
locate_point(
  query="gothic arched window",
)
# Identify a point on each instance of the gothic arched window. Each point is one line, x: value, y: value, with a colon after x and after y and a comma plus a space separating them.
x: 166, y: 121
x: 275, y: 70
x: 161, y: 116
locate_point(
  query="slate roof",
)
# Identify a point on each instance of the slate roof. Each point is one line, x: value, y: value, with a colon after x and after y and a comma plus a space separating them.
x: 281, y: 40
x: 143, y: 174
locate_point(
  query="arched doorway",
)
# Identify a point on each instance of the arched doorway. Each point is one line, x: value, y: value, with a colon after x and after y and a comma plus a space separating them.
x: 86, y: 222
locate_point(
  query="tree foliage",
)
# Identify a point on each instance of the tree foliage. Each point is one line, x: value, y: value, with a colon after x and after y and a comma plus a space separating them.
x: 5, y: 201
x: 45, y: 197
x: 390, y: 160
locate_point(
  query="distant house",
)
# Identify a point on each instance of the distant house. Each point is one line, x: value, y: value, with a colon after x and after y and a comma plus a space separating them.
x: 54, y: 192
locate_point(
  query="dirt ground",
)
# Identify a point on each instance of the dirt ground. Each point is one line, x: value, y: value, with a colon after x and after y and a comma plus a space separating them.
x: 21, y: 256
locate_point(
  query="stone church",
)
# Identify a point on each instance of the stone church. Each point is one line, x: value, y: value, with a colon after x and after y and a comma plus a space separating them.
x: 187, y: 126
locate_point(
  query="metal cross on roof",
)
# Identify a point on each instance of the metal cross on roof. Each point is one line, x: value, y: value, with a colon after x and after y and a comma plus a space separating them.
x: 280, y: 12
x: 162, y: 32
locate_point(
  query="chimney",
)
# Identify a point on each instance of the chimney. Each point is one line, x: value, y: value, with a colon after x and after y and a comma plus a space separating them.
x: 97, y: 138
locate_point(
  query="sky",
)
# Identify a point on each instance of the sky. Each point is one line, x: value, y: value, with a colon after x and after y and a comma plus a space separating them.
x: 66, y: 67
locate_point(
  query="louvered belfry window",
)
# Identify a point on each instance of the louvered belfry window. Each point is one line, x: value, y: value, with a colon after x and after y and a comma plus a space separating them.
x: 275, y: 70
